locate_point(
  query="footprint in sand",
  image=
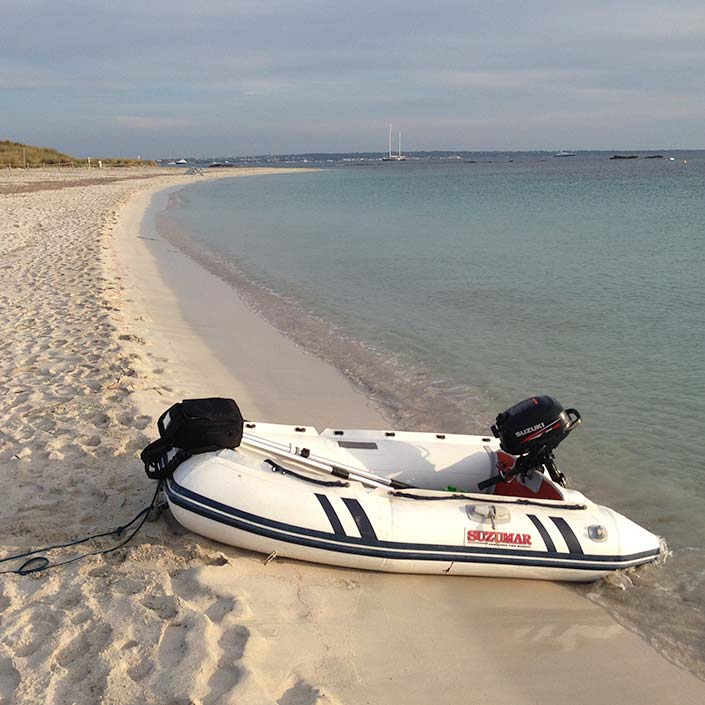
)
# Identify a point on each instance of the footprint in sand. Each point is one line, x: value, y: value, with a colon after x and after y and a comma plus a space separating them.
x: 101, y: 420
x: 172, y: 647
x: 164, y: 606
x: 302, y: 693
x: 139, y: 422
x: 78, y: 657
x: 9, y: 679
x: 228, y: 672
x: 141, y: 670
x: 233, y: 643
x: 220, y: 609
x: 221, y: 683
x: 40, y: 634
x: 133, y: 339
x: 91, y: 442
x: 232, y: 639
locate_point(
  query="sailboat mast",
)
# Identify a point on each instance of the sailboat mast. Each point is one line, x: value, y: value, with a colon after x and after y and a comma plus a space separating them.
x: 390, y: 140
x: 400, y: 143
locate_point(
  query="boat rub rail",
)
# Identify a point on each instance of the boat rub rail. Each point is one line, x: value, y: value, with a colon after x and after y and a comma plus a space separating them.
x: 263, y: 526
x: 491, y: 499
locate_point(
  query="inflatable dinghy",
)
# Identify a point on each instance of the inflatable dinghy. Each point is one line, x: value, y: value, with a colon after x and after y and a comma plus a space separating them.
x: 393, y: 500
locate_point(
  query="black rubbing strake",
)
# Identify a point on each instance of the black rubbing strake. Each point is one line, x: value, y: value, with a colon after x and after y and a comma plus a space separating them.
x: 357, y: 546
x: 263, y: 526
x: 569, y: 537
x: 332, y: 516
x: 361, y: 519
x: 550, y: 546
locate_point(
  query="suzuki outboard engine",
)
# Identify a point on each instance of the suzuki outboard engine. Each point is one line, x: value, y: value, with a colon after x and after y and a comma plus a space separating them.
x: 532, y: 430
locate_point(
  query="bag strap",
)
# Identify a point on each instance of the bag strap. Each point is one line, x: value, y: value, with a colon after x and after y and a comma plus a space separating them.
x: 159, y: 463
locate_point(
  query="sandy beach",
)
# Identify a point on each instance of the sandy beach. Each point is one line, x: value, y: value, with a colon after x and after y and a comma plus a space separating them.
x: 104, y: 324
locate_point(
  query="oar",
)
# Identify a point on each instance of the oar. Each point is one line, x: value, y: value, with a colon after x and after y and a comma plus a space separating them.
x: 267, y: 449
x: 346, y: 472
x: 396, y: 484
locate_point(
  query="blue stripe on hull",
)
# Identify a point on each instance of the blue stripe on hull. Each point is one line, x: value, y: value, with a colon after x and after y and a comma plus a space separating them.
x: 333, y: 518
x: 313, y: 538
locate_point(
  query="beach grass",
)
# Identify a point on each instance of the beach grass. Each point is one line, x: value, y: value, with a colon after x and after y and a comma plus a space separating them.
x: 19, y: 155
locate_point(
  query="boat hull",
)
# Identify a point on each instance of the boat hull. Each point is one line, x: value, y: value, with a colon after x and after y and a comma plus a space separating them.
x: 234, y: 498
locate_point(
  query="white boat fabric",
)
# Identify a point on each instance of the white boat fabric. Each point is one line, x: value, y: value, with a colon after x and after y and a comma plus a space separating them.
x: 255, y: 499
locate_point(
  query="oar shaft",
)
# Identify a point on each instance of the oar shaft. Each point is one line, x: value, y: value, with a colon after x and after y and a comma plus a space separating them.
x: 394, y: 484
x: 268, y: 448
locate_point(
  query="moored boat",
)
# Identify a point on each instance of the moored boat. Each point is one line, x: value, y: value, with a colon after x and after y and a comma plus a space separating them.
x: 403, y: 501
x: 391, y: 157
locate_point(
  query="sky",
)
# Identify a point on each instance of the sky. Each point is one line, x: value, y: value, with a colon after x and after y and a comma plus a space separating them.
x: 235, y: 77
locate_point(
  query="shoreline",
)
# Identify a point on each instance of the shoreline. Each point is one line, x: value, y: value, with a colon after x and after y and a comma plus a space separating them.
x: 175, y: 617
x: 406, y: 396
x: 172, y: 277
x: 209, y: 328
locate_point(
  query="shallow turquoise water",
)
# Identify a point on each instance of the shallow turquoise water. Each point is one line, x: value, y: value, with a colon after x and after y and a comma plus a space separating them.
x: 484, y: 283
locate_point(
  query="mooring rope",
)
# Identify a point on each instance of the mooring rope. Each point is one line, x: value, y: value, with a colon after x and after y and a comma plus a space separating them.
x: 39, y: 562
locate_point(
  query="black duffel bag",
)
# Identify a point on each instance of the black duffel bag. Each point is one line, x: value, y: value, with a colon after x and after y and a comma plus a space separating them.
x: 189, y: 427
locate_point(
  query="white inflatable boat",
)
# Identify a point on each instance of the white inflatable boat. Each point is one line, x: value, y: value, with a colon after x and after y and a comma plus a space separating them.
x: 407, y: 502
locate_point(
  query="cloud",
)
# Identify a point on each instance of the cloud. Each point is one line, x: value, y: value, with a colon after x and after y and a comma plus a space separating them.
x: 143, y: 122
x: 321, y: 74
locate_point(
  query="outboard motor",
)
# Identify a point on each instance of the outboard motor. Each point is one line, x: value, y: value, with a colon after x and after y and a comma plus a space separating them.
x: 532, y: 430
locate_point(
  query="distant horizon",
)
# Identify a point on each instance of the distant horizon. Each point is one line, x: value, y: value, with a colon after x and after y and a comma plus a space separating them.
x: 444, y: 151
x: 464, y: 150
x: 216, y: 154
x: 146, y: 152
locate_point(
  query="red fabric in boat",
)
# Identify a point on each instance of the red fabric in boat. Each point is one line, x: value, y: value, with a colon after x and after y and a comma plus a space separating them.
x: 516, y: 487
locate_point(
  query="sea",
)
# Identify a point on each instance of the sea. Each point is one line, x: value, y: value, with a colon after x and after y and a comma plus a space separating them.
x: 450, y: 289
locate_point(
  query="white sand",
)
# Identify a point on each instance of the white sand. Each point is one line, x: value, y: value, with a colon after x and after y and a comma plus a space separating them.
x: 93, y: 345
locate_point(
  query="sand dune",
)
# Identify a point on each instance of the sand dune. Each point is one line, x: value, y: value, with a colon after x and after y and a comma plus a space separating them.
x: 93, y: 345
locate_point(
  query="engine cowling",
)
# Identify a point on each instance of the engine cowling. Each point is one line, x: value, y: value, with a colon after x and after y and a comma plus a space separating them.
x: 536, y: 424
